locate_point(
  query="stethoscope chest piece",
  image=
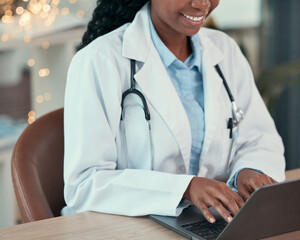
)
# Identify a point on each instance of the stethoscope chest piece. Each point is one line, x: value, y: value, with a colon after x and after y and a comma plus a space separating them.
x: 237, y: 114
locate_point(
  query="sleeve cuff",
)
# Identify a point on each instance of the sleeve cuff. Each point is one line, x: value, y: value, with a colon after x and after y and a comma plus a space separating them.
x: 232, y: 182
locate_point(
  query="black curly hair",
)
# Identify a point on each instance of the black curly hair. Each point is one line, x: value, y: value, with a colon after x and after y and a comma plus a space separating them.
x: 109, y: 15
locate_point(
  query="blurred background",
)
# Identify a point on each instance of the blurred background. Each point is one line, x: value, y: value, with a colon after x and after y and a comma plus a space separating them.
x: 39, y: 37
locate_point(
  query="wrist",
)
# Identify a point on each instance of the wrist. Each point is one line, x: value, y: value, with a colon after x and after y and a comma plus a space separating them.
x: 186, y: 194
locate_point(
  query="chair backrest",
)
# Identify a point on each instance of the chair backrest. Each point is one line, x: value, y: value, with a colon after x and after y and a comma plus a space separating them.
x: 37, y: 168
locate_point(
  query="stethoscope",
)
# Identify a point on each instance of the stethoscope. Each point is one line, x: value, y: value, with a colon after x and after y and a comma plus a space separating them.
x: 133, y: 90
x: 233, y: 122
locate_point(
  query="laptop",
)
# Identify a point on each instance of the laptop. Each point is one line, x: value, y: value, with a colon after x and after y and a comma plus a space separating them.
x: 271, y: 210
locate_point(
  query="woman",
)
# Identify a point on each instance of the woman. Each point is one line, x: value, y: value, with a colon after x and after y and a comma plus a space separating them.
x: 116, y: 163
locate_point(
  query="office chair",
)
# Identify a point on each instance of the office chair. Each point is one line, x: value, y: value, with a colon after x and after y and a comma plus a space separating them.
x: 37, y: 168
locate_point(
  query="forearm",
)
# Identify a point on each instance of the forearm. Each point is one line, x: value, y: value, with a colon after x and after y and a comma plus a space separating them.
x: 128, y: 192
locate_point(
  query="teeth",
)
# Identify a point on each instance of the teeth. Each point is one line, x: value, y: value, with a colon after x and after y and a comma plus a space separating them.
x: 196, y: 19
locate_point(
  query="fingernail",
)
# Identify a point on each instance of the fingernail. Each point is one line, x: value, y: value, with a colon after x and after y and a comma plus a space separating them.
x: 229, y: 219
x: 211, y: 220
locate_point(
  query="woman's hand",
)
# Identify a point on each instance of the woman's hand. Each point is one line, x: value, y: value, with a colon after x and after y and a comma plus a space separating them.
x: 204, y: 193
x: 249, y: 180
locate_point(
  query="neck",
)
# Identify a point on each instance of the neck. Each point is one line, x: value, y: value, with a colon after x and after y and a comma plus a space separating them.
x: 177, y: 43
x: 180, y: 45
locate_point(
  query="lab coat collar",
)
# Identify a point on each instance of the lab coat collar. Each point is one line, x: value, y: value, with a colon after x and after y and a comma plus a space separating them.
x: 158, y: 89
x: 212, y: 54
x: 137, y: 40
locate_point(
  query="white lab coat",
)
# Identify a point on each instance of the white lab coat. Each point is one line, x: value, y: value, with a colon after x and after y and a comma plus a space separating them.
x: 95, y: 169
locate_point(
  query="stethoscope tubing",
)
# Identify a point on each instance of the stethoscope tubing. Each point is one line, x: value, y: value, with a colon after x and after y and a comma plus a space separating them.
x: 225, y: 83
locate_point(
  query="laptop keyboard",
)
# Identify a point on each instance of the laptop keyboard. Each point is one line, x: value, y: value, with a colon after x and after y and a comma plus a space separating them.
x: 206, y: 229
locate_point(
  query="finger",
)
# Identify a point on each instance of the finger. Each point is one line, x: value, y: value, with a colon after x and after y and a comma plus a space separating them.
x: 268, y: 181
x: 272, y: 180
x: 205, y: 211
x: 256, y: 183
x: 229, y: 203
x: 261, y: 181
x: 217, y: 205
x: 244, y: 193
x: 238, y: 199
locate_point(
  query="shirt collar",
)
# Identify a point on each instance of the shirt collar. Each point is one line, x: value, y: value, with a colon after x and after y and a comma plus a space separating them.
x: 197, y: 50
x: 168, y: 57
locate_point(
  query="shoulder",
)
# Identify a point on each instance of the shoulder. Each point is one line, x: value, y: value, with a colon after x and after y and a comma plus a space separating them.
x: 233, y: 63
x: 108, y: 46
x: 100, y: 62
x: 232, y: 56
x: 213, y: 33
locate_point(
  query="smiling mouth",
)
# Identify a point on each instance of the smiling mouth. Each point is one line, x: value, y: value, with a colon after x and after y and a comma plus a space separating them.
x: 195, y: 19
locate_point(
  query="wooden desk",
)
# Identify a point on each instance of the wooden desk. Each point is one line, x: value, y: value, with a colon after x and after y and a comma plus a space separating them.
x: 292, y: 174
x: 90, y: 225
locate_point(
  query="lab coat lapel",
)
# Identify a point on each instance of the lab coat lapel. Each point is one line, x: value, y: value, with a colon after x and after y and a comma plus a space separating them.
x: 158, y: 88
x: 212, y: 84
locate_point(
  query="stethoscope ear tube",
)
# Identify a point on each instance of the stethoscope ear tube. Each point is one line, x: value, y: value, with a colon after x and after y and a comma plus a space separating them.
x: 133, y: 90
x: 225, y: 83
x: 132, y: 72
x: 141, y: 96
